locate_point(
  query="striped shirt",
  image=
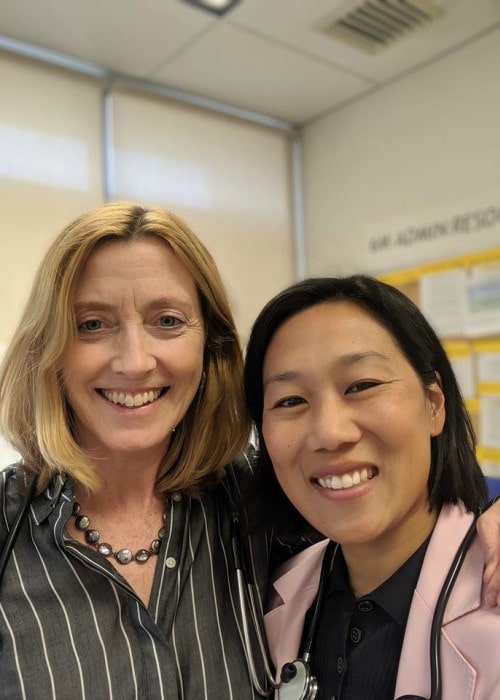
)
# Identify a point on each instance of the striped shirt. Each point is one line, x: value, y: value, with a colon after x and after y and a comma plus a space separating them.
x: 71, y: 627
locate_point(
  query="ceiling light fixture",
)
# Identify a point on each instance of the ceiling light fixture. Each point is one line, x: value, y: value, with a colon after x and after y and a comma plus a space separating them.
x: 217, y: 7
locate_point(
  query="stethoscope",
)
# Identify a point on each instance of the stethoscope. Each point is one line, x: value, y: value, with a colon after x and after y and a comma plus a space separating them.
x: 297, y: 682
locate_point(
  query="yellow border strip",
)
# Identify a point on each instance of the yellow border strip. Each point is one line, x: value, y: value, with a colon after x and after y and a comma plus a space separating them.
x: 488, y: 388
x: 488, y: 454
x: 411, y: 274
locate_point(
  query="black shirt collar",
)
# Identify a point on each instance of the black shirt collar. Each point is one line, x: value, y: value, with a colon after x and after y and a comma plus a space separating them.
x: 395, y: 594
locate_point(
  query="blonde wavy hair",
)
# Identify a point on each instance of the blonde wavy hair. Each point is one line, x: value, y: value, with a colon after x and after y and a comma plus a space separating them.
x: 34, y: 414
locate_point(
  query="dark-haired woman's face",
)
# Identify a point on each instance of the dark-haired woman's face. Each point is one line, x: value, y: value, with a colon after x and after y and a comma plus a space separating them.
x: 347, y: 425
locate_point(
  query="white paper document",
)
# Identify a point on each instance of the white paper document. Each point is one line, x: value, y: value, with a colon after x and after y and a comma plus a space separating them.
x: 443, y: 301
x: 489, y: 433
x: 483, y: 300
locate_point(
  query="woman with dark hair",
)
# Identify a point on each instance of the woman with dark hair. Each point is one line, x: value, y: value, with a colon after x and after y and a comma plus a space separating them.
x: 363, y: 434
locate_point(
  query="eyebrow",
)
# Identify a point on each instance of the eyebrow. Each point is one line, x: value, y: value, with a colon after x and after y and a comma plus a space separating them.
x: 345, y: 360
x: 159, y: 303
x: 92, y: 305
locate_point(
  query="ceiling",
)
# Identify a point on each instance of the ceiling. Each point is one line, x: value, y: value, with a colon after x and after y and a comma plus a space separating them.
x: 268, y: 56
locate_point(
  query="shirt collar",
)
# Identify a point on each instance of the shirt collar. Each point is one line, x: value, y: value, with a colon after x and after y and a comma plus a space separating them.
x: 395, y: 594
x: 61, y: 487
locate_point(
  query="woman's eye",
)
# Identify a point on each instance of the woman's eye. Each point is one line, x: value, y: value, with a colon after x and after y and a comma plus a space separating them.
x: 169, y: 321
x: 93, y: 324
x: 362, y: 386
x: 289, y: 402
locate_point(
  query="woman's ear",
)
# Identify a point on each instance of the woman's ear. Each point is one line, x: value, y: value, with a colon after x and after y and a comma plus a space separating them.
x: 436, y: 399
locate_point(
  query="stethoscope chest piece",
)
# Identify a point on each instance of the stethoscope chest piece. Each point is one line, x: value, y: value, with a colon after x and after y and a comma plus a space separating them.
x: 297, y: 682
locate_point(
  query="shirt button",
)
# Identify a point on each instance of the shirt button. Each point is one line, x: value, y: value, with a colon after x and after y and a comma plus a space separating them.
x: 176, y: 496
x: 364, y: 606
x: 356, y: 635
x: 170, y: 562
x: 340, y: 665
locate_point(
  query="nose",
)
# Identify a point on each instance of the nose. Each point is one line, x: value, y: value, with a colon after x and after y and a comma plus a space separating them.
x: 133, y: 355
x: 333, y: 426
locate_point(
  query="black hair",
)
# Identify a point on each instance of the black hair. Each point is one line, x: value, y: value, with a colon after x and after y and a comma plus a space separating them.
x: 455, y: 474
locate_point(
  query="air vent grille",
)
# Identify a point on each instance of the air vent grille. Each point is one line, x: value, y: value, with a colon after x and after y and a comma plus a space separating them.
x: 375, y: 24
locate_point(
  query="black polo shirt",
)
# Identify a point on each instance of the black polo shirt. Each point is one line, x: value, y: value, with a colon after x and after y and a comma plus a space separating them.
x: 357, y: 645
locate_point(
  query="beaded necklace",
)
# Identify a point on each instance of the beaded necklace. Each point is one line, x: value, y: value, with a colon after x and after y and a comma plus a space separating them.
x: 125, y: 555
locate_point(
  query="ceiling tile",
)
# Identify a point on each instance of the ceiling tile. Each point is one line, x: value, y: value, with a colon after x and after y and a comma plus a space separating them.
x: 241, y: 68
x: 298, y: 24
x: 121, y: 35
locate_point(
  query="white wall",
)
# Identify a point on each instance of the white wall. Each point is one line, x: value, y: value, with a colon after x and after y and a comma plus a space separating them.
x: 7, y: 454
x: 229, y: 179
x: 50, y: 168
x: 422, y: 151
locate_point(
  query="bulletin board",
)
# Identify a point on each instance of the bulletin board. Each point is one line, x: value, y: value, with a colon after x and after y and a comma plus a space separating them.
x: 460, y: 297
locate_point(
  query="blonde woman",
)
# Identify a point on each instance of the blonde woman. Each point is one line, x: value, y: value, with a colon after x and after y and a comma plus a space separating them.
x: 121, y: 390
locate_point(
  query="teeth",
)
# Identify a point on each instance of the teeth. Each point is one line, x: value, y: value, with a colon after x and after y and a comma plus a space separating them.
x: 346, y: 481
x: 131, y: 400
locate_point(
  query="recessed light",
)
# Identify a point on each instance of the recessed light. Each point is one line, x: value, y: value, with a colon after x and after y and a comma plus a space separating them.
x: 217, y: 7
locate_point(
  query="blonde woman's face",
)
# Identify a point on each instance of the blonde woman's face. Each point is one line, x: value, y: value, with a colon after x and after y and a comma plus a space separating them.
x: 137, y: 361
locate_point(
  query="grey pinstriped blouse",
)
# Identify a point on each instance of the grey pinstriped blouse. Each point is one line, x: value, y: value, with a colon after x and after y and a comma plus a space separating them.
x: 71, y: 627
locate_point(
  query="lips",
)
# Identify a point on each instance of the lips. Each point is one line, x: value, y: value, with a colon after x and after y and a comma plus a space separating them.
x: 348, y: 480
x: 132, y: 399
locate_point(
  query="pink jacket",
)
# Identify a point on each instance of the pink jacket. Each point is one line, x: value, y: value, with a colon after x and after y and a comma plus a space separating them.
x: 470, y: 640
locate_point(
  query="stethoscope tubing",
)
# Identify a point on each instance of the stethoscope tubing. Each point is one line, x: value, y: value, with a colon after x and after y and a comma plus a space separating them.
x: 326, y: 568
x: 247, y: 602
x: 437, y: 620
